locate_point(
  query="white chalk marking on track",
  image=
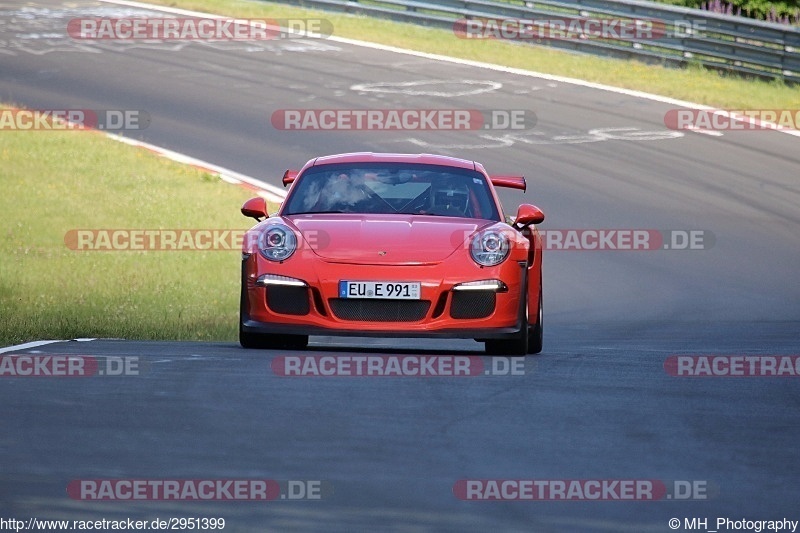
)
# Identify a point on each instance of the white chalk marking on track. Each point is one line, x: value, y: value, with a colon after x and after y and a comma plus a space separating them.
x: 428, y: 87
x: 539, y: 138
x: 705, y: 132
x: 487, y: 66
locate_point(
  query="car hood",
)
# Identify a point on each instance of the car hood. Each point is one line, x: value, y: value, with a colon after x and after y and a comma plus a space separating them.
x: 385, y: 239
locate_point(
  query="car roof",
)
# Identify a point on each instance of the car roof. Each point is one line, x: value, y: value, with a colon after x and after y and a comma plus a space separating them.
x: 371, y: 157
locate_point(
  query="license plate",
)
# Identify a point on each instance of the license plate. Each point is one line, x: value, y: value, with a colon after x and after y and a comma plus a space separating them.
x: 384, y: 290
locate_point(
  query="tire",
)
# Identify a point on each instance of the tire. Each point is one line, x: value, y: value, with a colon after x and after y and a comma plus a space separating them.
x: 264, y: 341
x: 530, y: 344
x: 252, y: 341
x: 294, y: 342
x: 536, y: 331
x: 515, y: 346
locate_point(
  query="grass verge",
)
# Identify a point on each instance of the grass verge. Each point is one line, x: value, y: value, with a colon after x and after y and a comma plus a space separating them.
x: 56, y: 181
x: 694, y: 84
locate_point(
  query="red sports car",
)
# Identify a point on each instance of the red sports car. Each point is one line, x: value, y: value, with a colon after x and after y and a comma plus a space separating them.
x: 393, y: 245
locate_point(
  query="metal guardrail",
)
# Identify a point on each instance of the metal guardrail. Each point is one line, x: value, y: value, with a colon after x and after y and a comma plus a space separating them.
x: 722, y: 42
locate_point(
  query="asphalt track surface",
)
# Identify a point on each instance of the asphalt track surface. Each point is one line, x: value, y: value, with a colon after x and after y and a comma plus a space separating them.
x: 596, y: 404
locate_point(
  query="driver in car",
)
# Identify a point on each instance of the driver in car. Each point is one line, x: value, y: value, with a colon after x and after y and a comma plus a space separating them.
x: 341, y: 193
x: 449, y: 197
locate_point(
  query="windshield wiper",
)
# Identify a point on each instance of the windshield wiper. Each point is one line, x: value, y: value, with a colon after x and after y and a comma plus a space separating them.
x: 315, y: 212
x: 435, y: 215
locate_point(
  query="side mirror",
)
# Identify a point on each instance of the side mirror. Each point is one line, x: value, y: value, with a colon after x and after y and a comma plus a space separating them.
x: 528, y: 214
x: 289, y: 177
x: 255, y: 208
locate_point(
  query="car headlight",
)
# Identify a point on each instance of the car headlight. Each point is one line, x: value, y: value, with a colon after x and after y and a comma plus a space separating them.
x: 277, y: 243
x: 489, y: 248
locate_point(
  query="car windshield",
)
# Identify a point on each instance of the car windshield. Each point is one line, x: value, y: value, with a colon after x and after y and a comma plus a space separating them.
x: 384, y: 188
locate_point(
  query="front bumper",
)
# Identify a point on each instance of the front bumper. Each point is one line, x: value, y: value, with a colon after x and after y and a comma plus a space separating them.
x: 313, y: 307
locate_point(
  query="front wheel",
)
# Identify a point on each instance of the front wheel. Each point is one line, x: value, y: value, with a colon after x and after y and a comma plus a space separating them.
x: 535, y: 337
x: 516, y: 346
x: 528, y: 341
x: 264, y: 341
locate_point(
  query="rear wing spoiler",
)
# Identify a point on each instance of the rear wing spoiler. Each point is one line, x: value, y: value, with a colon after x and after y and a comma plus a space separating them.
x: 512, y: 182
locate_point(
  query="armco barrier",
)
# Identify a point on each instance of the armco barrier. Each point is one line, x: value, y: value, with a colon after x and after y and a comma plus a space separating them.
x: 722, y: 42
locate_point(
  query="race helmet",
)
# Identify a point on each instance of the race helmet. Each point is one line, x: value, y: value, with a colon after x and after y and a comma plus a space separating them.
x: 450, y: 195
